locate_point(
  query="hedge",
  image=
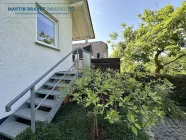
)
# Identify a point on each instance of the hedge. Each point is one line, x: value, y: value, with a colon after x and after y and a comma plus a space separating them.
x: 179, y: 83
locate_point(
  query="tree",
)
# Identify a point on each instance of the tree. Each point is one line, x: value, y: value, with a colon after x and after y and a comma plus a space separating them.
x: 42, y: 34
x: 178, y: 66
x: 161, y: 33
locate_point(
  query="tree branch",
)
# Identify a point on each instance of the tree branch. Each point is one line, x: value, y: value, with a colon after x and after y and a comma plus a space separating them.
x: 175, y: 59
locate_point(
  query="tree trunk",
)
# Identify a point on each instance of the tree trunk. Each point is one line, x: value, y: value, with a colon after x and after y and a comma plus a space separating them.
x: 94, y: 131
x: 157, y: 62
x: 158, y: 69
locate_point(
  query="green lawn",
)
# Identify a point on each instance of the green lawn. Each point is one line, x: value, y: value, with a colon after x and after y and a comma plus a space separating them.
x: 72, y: 123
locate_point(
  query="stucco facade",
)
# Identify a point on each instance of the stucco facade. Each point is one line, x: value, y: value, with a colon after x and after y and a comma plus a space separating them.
x: 22, y: 61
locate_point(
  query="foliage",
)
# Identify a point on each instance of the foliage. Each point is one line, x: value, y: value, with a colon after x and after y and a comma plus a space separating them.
x: 177, y: 67
x: 178, y: 94
x: 172, y: 110
x: 120, y: 130
x: 161, y: 34
x: 174, y: 98
x: 106, y: 91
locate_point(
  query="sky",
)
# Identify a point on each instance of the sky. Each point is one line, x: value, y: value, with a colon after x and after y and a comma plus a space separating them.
x: 107, y: 15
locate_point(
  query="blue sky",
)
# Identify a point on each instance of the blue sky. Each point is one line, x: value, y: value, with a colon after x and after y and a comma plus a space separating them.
x: 107, y: 15
x: 45, y: 25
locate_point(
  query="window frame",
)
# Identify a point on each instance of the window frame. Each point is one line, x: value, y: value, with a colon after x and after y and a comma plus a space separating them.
x: 56, y: 29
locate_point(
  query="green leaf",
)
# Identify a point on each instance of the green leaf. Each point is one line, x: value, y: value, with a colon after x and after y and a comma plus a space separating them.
x: 131, y: 117
x: 134, y: 130
x: 87, y: 104
x: 138, y: 126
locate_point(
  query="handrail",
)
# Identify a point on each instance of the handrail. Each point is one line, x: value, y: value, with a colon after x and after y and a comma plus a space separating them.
x: 52, y: 89
x: 8, y: 106
x: 32, y: 87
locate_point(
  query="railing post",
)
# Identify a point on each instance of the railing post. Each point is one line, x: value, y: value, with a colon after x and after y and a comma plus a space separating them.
x: 77, y: 63
x: 90, y: 61
x: 33, y: 109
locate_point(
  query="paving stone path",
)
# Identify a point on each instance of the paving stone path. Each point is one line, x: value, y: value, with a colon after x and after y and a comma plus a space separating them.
x: 169, y: 130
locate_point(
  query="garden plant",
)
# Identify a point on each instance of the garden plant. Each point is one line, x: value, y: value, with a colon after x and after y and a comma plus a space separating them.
x: 109, y: 92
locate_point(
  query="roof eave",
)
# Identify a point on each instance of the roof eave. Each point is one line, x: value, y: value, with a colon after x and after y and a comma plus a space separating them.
x: 82, y: 22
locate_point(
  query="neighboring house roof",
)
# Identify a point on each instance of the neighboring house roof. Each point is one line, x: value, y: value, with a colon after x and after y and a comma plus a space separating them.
x: 96, y: 47
x: 82, y: 28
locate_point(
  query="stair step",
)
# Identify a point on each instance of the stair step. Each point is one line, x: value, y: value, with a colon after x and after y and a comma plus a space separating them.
x: 50, y: 84
x: 64, y: 72
x: 26, y: 114
x: 46, y: 91
x: 12, y: 129
x: 47, y: 103
x: 64, y: 78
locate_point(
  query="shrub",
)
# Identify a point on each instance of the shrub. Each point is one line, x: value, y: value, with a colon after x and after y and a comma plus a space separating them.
x: 106, y: 91
x: 178, y: 81
x: 172, y: 110
x: 175, y: 98
x: 120, y: 130
x: 179, y: 92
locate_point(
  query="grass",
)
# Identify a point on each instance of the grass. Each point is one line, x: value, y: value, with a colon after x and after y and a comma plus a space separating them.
x: 72, y: 123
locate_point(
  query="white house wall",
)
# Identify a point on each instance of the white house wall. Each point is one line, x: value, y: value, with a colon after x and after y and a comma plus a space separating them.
x: 22, y: 61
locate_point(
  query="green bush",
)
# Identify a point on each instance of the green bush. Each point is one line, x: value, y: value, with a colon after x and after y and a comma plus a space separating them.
x: 175, y: 97
x: 172, y: 110
x: 109, y: 90
x: 179, y: 92
x: 179, y: 83
x: 121, y: 131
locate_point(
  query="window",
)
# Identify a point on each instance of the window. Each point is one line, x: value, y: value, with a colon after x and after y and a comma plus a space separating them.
x: 46, y: 29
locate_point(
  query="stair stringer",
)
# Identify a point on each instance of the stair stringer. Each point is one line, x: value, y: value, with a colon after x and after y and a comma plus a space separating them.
x: 54, y: 110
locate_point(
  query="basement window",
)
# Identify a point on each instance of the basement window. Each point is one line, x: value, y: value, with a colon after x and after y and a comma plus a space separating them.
x: 47, y: 29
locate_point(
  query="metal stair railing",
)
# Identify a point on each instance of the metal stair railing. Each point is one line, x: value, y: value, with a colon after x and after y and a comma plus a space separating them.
x: 31, y: 88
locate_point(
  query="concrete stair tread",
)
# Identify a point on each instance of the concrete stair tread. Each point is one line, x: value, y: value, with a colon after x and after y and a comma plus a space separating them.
x: 64, y: 78
x: 46, y: 91
x: 26, y: 114
x: 12, y: 129
x: 47, y: 102
x: 51, y: 84
x: 64, y: 72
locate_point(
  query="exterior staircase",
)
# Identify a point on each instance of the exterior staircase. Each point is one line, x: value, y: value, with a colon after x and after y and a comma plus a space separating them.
x: 21, y: 118
x: 43, y: 103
